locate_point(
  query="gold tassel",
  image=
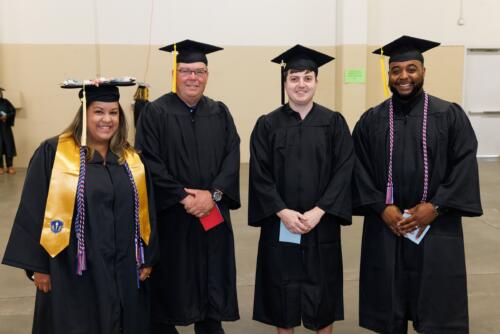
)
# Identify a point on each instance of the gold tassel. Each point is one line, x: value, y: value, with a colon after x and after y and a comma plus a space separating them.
x: 174, y: 70
x: 383, y: 74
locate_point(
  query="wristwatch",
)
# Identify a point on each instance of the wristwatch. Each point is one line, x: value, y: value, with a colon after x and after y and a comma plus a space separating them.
x: 437, y: 209
x: 217, y: 195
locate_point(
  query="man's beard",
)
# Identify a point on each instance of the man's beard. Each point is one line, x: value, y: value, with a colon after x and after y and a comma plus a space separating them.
x: 416, y: 90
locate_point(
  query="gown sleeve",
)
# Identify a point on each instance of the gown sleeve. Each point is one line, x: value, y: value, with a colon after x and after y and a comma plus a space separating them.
x: 23, y: 248
x: 459, y: 191
x: 366, y: 197
x: 11, y: 113
x: 336, y: 199
x: 228, y: 178
x: 264, y: 199
x: 168, y: 191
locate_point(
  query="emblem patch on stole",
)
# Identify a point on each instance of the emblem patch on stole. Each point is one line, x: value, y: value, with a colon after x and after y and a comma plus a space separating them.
x: 56, y: 226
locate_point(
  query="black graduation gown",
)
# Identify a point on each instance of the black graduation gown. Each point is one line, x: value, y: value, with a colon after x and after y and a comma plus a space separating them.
x: 7, y: 144
x: 138, y: 107
x: 399, y: 280
x: 196, y: 276
x: 299, y: 164
x: 105, y: 300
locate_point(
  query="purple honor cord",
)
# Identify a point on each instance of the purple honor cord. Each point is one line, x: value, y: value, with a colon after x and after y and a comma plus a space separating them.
x: 139, y: 248
x: 80, y: 216
x: 389, y: 195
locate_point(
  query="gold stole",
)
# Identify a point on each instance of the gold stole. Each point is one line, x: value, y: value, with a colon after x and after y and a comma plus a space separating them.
x: 62, y: 193
x: 139, y: 173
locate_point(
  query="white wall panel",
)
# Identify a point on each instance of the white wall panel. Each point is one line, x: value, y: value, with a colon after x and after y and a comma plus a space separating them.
x: 225, y: 22
x: 435, y: 20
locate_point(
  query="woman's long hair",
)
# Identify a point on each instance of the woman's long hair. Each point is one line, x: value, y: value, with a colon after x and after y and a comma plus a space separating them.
x: 118, y: 143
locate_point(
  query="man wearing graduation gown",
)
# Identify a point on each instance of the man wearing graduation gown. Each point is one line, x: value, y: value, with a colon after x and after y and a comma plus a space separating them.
x: 300, y: 177
x: 191, y: 146
x: 7, y: 144
x: 434, y: 177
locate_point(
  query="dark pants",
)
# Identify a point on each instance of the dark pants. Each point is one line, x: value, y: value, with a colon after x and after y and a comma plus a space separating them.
x: 208, y: 326
x: 8, y: 161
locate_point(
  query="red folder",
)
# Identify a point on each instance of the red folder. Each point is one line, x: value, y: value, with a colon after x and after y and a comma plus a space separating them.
x: 213, y: 219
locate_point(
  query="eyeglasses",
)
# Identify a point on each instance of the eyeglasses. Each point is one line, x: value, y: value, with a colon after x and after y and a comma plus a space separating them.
x: 199, y: 72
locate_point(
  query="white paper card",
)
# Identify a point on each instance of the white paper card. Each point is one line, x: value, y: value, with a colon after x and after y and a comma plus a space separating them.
x: 413, y: 235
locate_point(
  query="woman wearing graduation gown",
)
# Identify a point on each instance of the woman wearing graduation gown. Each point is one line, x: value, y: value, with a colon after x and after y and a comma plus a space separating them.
x: 83, y: 231
x: 416, y: 156
x: 300, y: 173
x: 7, y: 144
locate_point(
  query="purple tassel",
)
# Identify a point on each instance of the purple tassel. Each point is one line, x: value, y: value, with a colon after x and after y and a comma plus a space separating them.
x: 142, y: 253
x: 82, y: 263
x: 139, y: 254
x: 389, y: 196
x: 138, y: 279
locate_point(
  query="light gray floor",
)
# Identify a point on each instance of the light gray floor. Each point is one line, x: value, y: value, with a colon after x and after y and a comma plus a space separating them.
x: 482, y: 241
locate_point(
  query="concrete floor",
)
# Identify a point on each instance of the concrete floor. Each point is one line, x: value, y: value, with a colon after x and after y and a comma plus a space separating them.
x: 482, y: 242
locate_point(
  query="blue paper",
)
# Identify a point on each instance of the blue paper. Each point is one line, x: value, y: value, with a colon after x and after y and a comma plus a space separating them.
x: 287, y: 236
x: 413, y: 235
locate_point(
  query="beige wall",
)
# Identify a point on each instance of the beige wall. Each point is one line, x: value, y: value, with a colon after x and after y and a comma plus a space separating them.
x: 437, y: 21
x: 350, y: 98
x: 241, y: 76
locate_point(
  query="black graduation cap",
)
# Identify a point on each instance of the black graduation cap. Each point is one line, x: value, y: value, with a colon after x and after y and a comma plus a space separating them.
x: 300, y: 58
x: 104, y: 90
x: 406, y: 48
x: 189, y: 51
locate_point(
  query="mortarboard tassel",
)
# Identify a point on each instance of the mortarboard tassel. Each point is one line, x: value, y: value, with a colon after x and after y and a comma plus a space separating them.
x: 383, y: 74
x: 84, y: 118
x: 282, y: 71
x: 174, y: 70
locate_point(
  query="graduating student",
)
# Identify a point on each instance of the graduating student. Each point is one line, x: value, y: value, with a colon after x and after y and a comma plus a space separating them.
x: 300, y: 187
x: 191, y: 146
x: 141, y: 99
x: 83, y: 232
x: 416, y: 169
x: 7, y: 144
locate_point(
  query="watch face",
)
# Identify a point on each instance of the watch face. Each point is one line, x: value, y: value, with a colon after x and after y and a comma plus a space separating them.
x: 217, y: 195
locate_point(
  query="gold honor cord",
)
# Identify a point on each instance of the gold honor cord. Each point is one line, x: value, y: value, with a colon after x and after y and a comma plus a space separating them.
x: 61, y: 198
x: 383, y: 74
x: 138, y: 172
x: 174, y: 69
